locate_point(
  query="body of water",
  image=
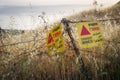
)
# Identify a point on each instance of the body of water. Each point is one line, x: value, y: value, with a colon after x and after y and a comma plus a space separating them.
x: 29, y: 17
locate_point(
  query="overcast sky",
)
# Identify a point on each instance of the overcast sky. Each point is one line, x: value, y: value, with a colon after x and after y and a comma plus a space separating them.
x: 52, y: 2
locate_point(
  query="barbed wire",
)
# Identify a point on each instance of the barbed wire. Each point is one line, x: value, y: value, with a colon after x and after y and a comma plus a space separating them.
x: 28, y: 52
x: 69, y: 21
x: 21, y: 42
x: 108, y: 19
x: 45, y: 38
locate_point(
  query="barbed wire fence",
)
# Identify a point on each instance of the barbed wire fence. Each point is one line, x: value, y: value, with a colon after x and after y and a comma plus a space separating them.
x: 44, y: 39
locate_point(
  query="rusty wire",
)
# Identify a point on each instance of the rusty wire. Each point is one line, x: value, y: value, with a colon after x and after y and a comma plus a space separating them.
x: 44, y: 38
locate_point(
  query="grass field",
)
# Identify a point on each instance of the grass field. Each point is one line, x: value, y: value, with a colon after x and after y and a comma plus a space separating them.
x: 30, y: 61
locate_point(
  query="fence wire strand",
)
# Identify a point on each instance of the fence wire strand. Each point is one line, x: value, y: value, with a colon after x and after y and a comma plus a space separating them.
x: 13, y: 44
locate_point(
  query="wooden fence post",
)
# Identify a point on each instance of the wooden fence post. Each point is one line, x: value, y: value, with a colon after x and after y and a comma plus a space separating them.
x: 1, y: 37
x: 80, y: 60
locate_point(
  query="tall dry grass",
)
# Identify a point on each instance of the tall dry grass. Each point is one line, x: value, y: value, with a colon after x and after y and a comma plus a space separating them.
x: 29, y: 61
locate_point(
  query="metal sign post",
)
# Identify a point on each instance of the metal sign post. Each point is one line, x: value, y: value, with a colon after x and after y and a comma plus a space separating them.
x: 80, y: 60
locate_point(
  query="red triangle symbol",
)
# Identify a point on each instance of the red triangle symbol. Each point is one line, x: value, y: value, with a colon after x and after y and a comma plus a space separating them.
x: 85, y: 31
x: 50, y: 39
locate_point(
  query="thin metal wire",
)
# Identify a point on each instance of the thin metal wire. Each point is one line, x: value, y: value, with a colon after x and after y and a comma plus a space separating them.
x: 21, y: 42
x: 94, y: 20
x: 44, y: 38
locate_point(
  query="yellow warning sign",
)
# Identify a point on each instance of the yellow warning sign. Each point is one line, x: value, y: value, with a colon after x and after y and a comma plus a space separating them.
x: 90, y: 34
x: 55, y: 42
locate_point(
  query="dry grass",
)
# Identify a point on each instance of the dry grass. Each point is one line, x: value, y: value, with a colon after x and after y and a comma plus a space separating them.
x: 29, y: 61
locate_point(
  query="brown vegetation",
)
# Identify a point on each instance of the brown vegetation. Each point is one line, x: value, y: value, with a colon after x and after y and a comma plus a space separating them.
x: 29, y: 60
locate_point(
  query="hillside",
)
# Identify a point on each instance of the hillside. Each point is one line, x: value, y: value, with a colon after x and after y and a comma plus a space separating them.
x: 100, y: 13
